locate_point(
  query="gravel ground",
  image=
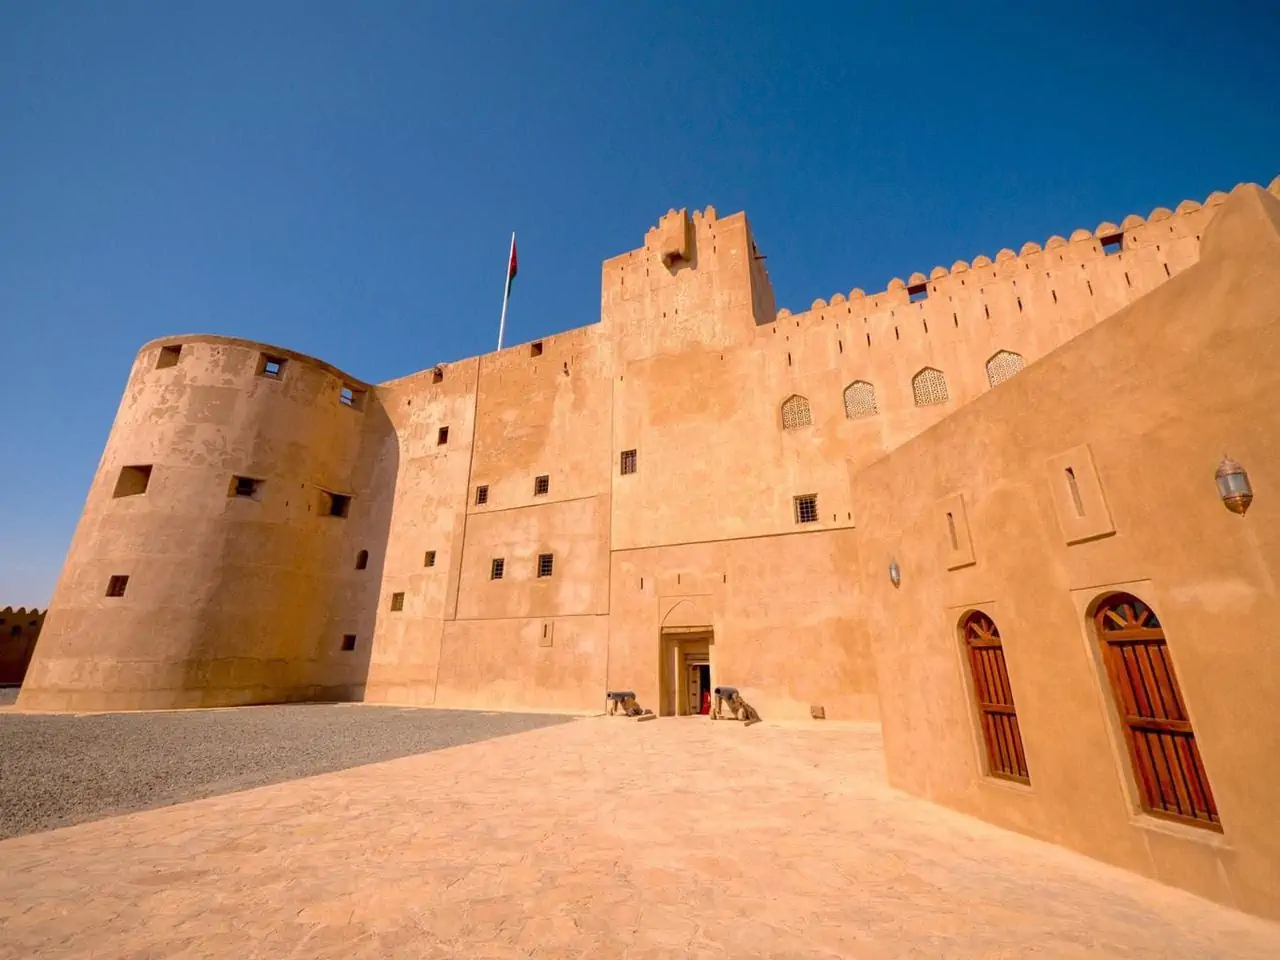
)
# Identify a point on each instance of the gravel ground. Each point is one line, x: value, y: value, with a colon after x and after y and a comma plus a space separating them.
x: 60, y: 770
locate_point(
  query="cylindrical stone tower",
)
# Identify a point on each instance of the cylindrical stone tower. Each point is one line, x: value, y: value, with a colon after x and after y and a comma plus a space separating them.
x: 211, y: 545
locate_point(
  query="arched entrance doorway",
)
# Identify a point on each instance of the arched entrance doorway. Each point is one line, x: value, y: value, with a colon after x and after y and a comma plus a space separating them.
x: 684, y: 680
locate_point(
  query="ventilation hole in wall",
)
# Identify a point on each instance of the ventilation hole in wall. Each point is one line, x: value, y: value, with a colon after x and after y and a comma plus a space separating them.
x: 1127, y: 281
x: 1075, y: 492
x: 1019, y: 299
x: 348, y: 642
x: 955, y: 320
x: 408, y: 403
x: 788, y: 358
x: 925, y: 323
x: 535, y: 348
x: 117, y: 584
x: 849, y: 516
x: 335, y: 504
x: 248, y: 487
x: 724, y: 578
x: 987, y: 311
x: 642, y: 583
x: 497, y: 567
x: 132, y: 481
x: 362, y: 559
x: 442, y: 436
x: 1055, y: 295
x: 1089, y: 284
x: 546, y: 562
x: 1197, y: 235
x: 397, y: 602
x: 951, y: 529
x: 429, y: 559
x: 840, y: 345
x: 868, y: 339
x: 1166, y: 271
x: 1157, y: 248
x: 541, y: 485
x: 482, y: 495
x: 895, y: 334
x: 806, y: 508
x: 169, y: 356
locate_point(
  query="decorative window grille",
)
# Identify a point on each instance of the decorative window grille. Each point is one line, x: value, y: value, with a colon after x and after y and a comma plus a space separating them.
x: 482, y: 495
x: 996, y: 714
x: 860, y: 400
x: 929, y: 386
x: 430, y: 559
x: 1003, y: 366
x: 628, y: 462
x: 545, y: 562
x: 807, y: 508
x: 796, y: 413
x: 1171, y: 777
x: 397, y: 602
x: 117, y: 584
x: 541, y: 485
x: 497, y: 568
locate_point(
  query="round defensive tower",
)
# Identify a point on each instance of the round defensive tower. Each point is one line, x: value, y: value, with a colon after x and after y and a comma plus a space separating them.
x: 202, y: 570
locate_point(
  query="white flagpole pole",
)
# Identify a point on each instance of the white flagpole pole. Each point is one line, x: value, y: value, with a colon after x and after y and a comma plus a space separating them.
x: 506, y: 291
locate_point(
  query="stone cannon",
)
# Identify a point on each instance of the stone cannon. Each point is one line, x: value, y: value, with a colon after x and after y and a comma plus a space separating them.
x: 623, y: 703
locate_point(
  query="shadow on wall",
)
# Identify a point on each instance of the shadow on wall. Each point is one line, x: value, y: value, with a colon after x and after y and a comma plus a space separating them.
x: 19, y: 630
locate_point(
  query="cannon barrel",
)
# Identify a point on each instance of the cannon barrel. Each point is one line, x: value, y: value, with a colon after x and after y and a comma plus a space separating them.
x: 726, y: 692
x: 620, y: 695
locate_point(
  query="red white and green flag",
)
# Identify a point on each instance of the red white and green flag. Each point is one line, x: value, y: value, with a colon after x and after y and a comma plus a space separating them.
x: 506, y: 291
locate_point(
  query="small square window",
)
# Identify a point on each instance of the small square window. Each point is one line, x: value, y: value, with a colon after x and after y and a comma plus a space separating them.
x: 116, y: 585
x: 437, y: 375
x: 132, y: 481
x: 352, y: 397
x: 348, y: 641
x: 496, y: 568
x: 397, y: 602
x: 545, y: 563
x: 169, y: 356
x: 807, y: 508
x: 442, y: 436
x: 1112, y: 244
x: 430, y: 559
x: 334, y: 504
x: 541, y: 485
x: 628, y: 462
x: 482, y: 495
x: 246, y: 487
x: 269, y: 366
x: 917, y: 293
x: 535, y: 348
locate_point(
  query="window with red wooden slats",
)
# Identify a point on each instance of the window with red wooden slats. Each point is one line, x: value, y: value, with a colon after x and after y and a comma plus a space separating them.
x: 993, y: 693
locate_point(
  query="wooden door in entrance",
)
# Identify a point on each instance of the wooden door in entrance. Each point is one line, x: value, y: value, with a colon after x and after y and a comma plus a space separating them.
x: 684, y: 686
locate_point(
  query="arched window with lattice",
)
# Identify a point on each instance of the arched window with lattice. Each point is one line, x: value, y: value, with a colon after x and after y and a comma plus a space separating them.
x: 796, y: 413
x: 929, y: 386
x: 1002, y: 366
x: 1171, y: 778
x: 997, y: 715
x: 860, y: 400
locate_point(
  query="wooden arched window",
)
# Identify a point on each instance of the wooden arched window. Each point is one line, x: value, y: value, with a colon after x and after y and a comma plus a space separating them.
x: 1162, y: 746
x: 994, y: 696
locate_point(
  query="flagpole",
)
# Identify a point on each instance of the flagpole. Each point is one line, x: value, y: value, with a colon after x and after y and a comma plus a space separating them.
x: 506, y: 292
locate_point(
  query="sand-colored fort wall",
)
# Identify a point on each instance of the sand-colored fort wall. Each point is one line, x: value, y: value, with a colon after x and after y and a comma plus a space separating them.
x: 228, y: 596
x: 1143, y: 407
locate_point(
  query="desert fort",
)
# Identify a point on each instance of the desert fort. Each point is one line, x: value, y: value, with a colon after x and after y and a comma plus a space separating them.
x: 1023, y: 511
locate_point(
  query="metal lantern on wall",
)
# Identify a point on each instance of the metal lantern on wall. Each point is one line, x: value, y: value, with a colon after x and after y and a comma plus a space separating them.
x: 1233, y: 486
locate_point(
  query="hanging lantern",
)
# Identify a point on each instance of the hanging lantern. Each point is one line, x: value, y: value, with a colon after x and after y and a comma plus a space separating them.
x: 1233, y: 486
x: 895, y: 573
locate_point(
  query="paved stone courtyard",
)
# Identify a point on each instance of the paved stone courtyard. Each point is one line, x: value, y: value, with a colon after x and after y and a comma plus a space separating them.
x: 593, y: 838
x: 60, y: 770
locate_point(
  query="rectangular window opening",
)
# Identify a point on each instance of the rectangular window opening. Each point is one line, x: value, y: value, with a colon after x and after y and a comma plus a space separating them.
x: 334, y: 504
x: 397, y: 602
x: 169, y: 356
x: 496, y: 568
x: 246, y: 487
x: 917, y: 293
x: 348, y: 642
x: 352, y: 397
x: 270, y: 366
x: 535, y: 348
x: 807, y: 508
x: 482, y: 495
x: 437, y: 375
x: 429, y: 560
x: 541, y: 485
x: 117, y: 584
x: 545, y: 563
x: 627, y: 463
x: 132, y: 481
x: 1112, y: 244
x: 442, y: 436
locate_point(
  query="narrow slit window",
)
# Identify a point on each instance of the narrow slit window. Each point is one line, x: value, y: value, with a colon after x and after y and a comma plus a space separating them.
x: 117, y: 584
x: 429, y: 560
x: 496, y: 568
x: 362, y: 560
x: 541, y: 485
x: 627, y: 462
x: 442, y: 436
x: 807, y: 508
x: 545, y: 563
x: 133, y: 481
x: 169, y: 356
x: 482, y: 495
x: 1075, y: 492
x: 397, y: 602
x: 951, y: 530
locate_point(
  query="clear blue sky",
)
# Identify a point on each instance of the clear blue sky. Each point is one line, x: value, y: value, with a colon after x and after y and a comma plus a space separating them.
x: 342, y: 178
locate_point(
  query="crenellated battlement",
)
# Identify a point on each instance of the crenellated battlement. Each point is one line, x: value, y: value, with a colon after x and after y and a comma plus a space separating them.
x: 1132, y: 233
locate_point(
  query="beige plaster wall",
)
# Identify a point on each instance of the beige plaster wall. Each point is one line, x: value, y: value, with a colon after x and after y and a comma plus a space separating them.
x: 1156, y: 394
x: 226, y: 596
